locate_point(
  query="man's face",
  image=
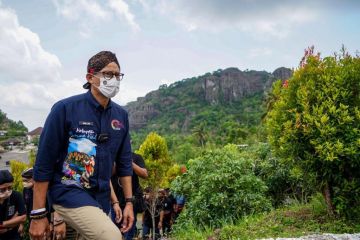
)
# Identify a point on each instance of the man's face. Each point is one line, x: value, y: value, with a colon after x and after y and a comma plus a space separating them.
x: 94, y: 79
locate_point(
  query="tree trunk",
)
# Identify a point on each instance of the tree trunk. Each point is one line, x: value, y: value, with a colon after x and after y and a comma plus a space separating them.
x: 327, y: 196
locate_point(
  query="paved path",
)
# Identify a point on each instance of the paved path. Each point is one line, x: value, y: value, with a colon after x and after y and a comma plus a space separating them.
x: 20, y: 155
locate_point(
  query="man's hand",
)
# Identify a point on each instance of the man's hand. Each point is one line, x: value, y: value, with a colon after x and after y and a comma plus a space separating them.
x: 59, y: 231
x: 160, y: 225
x: 39, y: 229
x: 128, y: 218
x: 118, y: 213
x: 21, y: 229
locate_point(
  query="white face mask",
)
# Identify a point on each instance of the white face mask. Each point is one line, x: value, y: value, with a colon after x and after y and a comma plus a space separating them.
x: 27, y: 184
x: 109, y: 88
x: 5, y: 195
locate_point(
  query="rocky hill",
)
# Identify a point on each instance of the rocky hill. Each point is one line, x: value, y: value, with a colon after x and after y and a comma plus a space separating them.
x: 176, y: 106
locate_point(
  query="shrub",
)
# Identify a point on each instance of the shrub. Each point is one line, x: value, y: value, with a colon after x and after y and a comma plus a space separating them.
x: 314, y: 125
x: 283, y: 180
x: 17, y: 168
x: 220, y: 186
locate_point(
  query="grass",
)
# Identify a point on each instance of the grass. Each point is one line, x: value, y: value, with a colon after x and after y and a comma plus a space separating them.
x: 292, y: 221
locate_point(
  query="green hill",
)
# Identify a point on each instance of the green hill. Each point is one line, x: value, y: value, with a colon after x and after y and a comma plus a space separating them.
x: 225, y: 106
x: 11, y: 127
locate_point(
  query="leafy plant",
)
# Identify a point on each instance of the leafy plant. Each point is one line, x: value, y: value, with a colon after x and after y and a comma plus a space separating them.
x: 17, y: 168
x: 154, y: 151
x: 220, y: 186
x: 314, y: 125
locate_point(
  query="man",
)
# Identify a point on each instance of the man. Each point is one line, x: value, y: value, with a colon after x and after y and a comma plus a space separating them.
x: 179, y: 205
x: 12, y: 208
x: 139, y: 170
x: 83, y: 136
x: 167, y: 202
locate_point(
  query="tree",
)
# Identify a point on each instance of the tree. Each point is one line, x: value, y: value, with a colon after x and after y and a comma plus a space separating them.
x: 200, y: 133
x: 154, y: 151
x: 314, y: 124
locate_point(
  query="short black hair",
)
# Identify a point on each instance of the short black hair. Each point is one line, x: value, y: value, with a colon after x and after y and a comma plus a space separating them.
x: 98, y: 62
x: 5, y: 177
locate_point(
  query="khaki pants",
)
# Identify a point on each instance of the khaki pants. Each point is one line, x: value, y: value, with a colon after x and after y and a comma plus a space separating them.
x: 90, y: 222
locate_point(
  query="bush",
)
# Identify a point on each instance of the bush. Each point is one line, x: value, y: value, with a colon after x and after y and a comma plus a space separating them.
x: 17, y: 168
x: 283, y: 180
x: 220, y: 186
x: 314, y: 125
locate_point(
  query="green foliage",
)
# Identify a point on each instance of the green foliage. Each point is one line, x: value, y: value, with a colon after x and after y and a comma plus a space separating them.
x: 314, y: 125
x: 238, y: 191
x: 294, y: 221
x: 155, y: 153
x: 189, y: 231
x: 318, y: 204
x: 14, y: 128
x: 185, y: 118
x: 200, y: 133
x: 17, y: 168
x: 283, y: 180
x: 35, y: 140
x: 170, y: 175
x: 291, y: 221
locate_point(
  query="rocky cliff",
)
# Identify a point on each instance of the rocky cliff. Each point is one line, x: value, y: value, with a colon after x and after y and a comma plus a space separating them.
x: 220, y: 87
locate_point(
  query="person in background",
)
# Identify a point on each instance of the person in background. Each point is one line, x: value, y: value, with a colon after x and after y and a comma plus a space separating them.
x: 139, y: 170
x: 152, y: 203
x: 178, y: 206
x: 58, y: 226
x: 167, y: 202
x: 12, y: 208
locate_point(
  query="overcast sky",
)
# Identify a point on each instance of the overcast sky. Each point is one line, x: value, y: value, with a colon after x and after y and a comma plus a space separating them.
x: 45, y: 45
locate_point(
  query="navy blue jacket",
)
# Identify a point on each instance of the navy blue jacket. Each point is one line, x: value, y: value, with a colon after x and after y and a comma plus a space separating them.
x: 78, y: 146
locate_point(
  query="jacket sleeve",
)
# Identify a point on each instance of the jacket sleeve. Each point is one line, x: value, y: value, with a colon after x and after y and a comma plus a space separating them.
x: 123, y: 160
x: 52, y: 141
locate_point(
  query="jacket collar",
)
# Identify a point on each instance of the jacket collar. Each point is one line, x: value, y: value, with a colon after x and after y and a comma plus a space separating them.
x: 92, y: 100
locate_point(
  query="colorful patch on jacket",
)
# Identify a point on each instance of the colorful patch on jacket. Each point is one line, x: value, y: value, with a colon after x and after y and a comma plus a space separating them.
x: 79, y: 163
x: 116, y: 124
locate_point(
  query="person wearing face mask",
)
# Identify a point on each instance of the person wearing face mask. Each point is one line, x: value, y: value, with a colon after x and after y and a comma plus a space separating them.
x: 82, y: 138
x: 12, y: 208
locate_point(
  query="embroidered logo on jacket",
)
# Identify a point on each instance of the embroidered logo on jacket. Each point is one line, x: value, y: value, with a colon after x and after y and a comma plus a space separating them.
x: 116, y: 124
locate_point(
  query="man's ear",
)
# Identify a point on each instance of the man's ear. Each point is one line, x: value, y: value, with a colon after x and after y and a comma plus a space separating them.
x: 88, y: 77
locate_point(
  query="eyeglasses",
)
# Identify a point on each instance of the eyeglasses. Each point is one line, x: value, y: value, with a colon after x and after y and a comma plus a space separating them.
x: 2, y: 190
x: 110, y: 75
